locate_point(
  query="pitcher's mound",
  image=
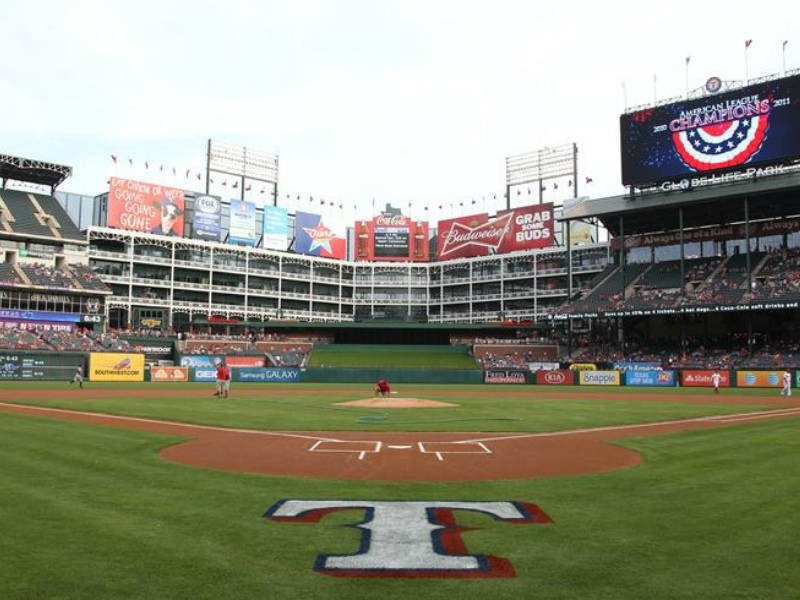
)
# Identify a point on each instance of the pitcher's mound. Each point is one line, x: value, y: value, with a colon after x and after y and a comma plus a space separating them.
x: 396, y: 403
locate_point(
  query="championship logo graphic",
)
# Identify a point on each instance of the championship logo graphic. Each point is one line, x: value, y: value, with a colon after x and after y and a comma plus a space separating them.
x: 315, y: 238
x: 725, y: 135
x: 321, y: 237
x: 410, y: 539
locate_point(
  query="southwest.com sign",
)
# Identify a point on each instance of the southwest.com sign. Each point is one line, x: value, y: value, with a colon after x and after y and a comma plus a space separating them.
x: 116, y: 367
x: 599, y: 378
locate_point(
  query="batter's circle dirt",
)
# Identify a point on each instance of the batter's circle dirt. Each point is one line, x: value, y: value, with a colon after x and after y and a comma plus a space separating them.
x: 396, y: 403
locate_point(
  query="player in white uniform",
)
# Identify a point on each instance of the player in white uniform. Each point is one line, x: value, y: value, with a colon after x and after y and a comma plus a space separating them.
x: 78, y: 377
x: 716, y: 379
x: 787, y: 384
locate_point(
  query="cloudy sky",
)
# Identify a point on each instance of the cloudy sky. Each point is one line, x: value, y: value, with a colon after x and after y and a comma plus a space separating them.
x: 401, y: 101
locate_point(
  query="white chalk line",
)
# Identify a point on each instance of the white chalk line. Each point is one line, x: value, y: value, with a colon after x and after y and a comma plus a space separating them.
x: 169, y: 423
x: 733, y: 418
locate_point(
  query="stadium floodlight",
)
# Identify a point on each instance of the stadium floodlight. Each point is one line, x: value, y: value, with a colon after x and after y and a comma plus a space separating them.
x: 242, y: 162
x: 540, y: 165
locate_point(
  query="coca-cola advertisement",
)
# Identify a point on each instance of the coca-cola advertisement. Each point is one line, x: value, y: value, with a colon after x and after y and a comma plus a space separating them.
x: 524, y: 228
x: 392, y: 238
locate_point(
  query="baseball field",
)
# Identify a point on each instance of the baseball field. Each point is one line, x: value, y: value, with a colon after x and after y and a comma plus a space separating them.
x: 163, y: 491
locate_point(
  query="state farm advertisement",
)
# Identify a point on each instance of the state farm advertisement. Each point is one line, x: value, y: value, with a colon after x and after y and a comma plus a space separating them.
x: 525, y: 228
x: 392, y: 238
x: 703, y: 378
x: 145, y: 207
x: 555, y: 377
x: 238, y: 362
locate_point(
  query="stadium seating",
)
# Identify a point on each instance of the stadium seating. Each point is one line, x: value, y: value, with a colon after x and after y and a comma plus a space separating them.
x: 39, y: 215
x: 9, y: 276
x: 48, y: 277
x: 87, y: 278
x: 18, y: 339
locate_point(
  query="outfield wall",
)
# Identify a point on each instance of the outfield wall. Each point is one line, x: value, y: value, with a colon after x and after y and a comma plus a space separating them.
x: 39, y: 366
x: 353, y: 375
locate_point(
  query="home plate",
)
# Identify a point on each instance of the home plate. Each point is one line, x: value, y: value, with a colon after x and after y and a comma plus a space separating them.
x: 399, y: 447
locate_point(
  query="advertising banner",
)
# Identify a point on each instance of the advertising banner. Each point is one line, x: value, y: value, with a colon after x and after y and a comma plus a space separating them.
x: 152, y: 348
x: 524, y: 228
x: 207, y: 218
x: 759, y: 379
x: 243, y: 223
x: 169, y: 374
x: 244, y: 361
x: 754, y: 125
x: 35, y: 326
x: 37, y: 315
x: 600, y: 378
x: 314, y: 238
x: 276, y: 228
x: 145, y: 207
x: 116, y: 367
x: 703, y: 378
x: 199, y: 361
x: 637, y: 366
x: 650, y: 378
x: 203, y: 374
x: 555, y: 377
x: 392, y: 238
x: 543, y: 366
x: 583, y: 367
x: 504, y: 376
x: 797, y: 378
x: 54, y: 367
x: 267, y: 375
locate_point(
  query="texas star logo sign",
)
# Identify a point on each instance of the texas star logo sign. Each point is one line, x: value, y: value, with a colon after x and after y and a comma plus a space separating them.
x: 409, y: 539
x: 321, y: 237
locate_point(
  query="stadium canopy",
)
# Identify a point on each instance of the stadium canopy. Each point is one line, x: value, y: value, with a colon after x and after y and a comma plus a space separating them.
x: 767, y: 197
x: 310, y: 325
x: 32, y: 171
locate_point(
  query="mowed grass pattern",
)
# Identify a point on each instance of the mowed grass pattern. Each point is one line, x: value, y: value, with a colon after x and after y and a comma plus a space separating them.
x: 93, y: 512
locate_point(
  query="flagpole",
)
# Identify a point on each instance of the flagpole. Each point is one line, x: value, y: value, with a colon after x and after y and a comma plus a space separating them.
x: 655, y: 90
x: 686, y: 75
x: 783, y: 52
x: 624, y: 96
x: 746, y: 63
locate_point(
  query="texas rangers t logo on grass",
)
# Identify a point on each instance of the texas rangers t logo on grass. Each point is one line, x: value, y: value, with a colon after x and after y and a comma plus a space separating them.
x: 411, y: 539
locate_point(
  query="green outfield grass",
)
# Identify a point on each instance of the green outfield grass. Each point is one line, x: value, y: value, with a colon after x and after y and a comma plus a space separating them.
x: 312, y: 407
x: 433, y: 357
x: 93, y: 512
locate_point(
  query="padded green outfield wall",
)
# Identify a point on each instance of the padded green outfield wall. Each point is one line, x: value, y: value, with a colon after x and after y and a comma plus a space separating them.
x: 366, y: 375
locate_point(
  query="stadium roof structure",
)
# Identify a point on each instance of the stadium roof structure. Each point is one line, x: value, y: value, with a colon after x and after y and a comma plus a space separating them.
x: 305, y: 325
x: 32, y: 171
x: 768, y: 196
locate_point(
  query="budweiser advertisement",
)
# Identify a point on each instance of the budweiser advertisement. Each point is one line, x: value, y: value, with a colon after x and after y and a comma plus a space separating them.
x: 524, y: 228
x: 703, y: 378
x: 392, y: 238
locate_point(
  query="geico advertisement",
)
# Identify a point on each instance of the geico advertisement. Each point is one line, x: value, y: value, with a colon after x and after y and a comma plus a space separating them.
x: 600, y: 378
x: 759, y: 379
x: 116, y: 367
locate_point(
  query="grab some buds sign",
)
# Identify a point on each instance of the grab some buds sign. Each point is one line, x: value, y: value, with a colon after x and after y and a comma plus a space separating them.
x: 524, y: 228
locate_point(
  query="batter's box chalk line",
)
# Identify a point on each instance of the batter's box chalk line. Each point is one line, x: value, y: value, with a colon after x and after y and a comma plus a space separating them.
x: 442, y: 448
x: 346, y: 446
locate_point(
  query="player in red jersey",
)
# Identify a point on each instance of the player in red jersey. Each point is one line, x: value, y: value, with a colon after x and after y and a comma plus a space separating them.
x: 382, y: 388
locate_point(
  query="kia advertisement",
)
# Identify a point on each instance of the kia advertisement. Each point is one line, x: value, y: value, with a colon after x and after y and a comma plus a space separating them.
x: 392, y: 238
x: 650, y: 378
x: 703, y: 378
x: 753, y: 126
x: 145, y: 207
x: 525, y: 228
x: 759, y: 379
x: 314, y: 238
x: 555, y: 377
x: 207, y: 215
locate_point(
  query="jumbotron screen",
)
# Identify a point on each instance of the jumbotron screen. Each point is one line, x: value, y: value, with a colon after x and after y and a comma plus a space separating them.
x: 755, y: 125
